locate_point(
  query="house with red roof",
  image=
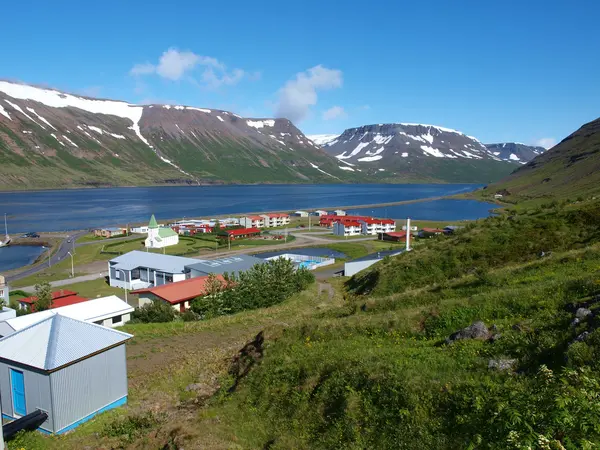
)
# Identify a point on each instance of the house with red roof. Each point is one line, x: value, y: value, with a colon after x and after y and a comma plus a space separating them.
x: 430, y: 232
x: 252, y: 221
x: 395, y: 236
x: 59, y: 298
x: 239, y: 233
x: 179, y: 295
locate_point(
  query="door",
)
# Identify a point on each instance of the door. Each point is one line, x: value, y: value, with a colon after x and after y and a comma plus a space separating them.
x: 18, y: 392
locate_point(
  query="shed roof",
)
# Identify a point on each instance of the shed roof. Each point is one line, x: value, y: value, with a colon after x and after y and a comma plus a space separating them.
x: 156, y: 261
x: 180, y: 291
x: 398, y: 234
x: 232, y: 264
x: 377, y: 256
x: 55, y: 296
x: 58, y: 341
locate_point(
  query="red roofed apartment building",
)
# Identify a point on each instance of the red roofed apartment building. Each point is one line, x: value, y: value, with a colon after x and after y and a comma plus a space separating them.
x: 252, y: 222
x: 346, y: 228
x: 372, y: 226
x: 276, y: 220
x: 178, y: 295
x: 59, y: 298
x: 330, y: 219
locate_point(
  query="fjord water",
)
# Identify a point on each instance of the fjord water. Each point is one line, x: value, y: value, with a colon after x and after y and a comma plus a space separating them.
x: 15, y: 256
x: 90, y: 208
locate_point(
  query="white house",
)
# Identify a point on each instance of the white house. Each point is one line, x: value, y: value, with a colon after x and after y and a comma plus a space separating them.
x: 139, y: 230
x: 252, y: 222
x: 320, y: 212
x: 346, y: 228
x: 138, y: 270
x: 159, y: 237
x: 108, y: 311
x: 339, y: 212
x: 301, y: 213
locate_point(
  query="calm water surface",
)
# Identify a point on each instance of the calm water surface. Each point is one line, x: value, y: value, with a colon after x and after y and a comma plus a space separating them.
x: 91, y: 208
x: 15, y: 256
x: 446, y: 210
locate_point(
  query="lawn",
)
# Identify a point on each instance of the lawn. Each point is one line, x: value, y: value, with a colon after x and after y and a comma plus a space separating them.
x: 94, y: 289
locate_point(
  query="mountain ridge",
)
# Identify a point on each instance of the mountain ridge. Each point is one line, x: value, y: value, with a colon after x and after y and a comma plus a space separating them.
x: 89, y: 142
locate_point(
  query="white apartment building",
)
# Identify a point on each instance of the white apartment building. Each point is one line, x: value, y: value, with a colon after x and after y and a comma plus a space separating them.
x: 347, y: 229
x: 253, y: 222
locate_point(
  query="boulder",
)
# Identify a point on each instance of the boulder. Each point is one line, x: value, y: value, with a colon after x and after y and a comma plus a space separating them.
x: 477, y: 330
x: 494, y: 337
x: 582, y: 313
x: 502, y: 364
x: 575, y: 322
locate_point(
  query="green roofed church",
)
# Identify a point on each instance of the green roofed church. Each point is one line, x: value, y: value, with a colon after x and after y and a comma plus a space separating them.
x: 159, y: 237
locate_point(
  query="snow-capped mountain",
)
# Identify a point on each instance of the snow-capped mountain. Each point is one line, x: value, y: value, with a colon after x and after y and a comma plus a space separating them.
x: 515, y: 151
x: 372, y: 143
x: 413, y: 150
x: 50, y: 138
x: 322, y: 139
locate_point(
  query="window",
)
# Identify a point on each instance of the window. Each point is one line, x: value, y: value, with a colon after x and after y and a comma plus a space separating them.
x: 117, y: 319
x: 99, y: 322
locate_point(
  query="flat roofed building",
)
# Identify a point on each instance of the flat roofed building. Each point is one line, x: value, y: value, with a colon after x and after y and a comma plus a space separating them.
x: 231, y: 265
x: 137, y: 269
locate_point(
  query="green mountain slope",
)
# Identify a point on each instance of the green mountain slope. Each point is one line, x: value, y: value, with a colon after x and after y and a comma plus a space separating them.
x: 570, y: 169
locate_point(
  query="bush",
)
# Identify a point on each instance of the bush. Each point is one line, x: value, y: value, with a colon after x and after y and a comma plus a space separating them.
x: 262, y: 286
x: 155, y: 312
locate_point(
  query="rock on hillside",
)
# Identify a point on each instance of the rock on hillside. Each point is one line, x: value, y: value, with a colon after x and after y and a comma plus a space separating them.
x: 514, y: 151
x: 569, y: 169
x: 50, y: 138
x: 416, y: 150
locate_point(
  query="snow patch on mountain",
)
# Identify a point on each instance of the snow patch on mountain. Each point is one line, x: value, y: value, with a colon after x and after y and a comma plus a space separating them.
x: 4, y: 113
x: 41, y: 118
x: 370, y: 158
x: 260, y: 123
x: 322, y: 139
x: 18, y: 108
x: 70, y: 141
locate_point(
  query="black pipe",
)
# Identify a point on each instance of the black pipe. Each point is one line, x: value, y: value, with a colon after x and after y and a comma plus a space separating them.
x: 29, y: 422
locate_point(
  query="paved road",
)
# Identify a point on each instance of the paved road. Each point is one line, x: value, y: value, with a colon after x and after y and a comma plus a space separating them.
x: 89, y: 277
x: 66, y: 245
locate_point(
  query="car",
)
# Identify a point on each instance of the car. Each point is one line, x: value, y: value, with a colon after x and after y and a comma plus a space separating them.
x: 68, y: 241
x: 34, y: 235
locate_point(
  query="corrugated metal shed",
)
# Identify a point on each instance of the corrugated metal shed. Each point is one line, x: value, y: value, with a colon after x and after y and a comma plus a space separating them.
x: 57, y: 341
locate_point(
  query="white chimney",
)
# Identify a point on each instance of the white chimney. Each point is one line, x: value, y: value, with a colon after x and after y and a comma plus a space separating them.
x: 408, y: 234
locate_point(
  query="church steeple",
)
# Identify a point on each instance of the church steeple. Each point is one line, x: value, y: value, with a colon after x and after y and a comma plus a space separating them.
x: 153, y: 223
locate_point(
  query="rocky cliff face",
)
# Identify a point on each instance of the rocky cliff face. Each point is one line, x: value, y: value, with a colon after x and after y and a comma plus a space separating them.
x: 50, y: 138
x: 514, y: 151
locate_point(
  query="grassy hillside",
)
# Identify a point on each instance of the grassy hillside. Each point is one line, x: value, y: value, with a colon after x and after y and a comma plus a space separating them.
x: 569, y: 170
x: 366, y: 365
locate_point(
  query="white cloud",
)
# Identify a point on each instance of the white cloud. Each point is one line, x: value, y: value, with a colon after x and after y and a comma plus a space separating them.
x: 300, y: 93
x: 214, y: 80
x: 174, y: 64
x: 142, y: 69
x: 335, y: 112
x: 546, y: 142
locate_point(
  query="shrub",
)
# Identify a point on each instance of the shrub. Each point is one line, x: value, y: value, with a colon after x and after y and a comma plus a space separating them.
x: 155, y: 312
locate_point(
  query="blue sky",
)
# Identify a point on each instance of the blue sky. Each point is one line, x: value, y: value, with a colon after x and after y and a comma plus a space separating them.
x: 525, y: 71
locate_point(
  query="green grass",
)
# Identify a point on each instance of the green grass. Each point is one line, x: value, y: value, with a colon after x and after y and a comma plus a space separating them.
x: 369, y: 368
x: 95, y: 288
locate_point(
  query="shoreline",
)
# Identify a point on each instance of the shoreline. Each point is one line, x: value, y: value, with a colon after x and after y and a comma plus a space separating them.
x: 216, y: 184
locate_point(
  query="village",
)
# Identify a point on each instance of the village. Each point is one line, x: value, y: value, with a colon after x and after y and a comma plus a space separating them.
x: 36, y: 340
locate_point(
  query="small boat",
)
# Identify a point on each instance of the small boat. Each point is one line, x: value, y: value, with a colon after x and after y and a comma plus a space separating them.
x: 7, y: 239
